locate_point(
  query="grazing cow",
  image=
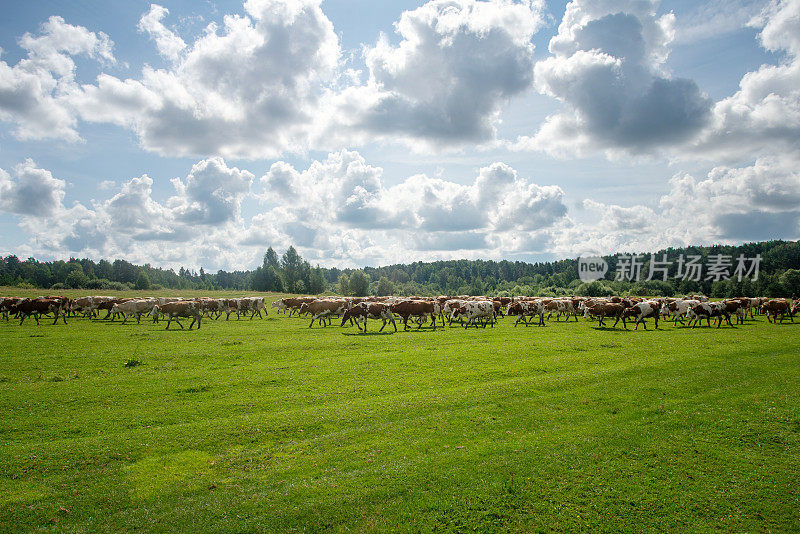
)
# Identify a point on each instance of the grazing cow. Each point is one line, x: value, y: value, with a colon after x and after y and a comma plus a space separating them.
x: 476, y: 309
x: 37, y: 307
x: 137, y: 307
x: 173, y: 310
x: 776, y: 307
x: 708, y: 310
x: 322, y: 309
x: 642, y: 311
x: 370, y: 310
x: 608, y: 309
x: 415, y: 308
x: 529, y: 308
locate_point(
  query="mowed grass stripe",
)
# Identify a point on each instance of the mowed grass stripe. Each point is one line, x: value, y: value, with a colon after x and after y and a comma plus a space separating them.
x: 560, y: 428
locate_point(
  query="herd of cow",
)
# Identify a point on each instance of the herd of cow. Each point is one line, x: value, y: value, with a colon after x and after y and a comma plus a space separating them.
x: 469, y: 311
x: 472, y: 311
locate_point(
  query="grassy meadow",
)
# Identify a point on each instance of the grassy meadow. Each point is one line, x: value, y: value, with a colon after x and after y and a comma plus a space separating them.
x: 269, y: 426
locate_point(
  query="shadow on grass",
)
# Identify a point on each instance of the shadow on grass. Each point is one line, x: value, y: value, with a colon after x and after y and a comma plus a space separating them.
x: 367, y: 333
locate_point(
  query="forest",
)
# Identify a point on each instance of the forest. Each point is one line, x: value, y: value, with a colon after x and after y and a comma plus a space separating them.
x: 776, y: 273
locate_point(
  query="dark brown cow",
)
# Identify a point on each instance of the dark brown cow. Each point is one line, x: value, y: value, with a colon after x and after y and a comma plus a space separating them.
x: 416, y: 308
x: 370, y: 310
x: 36, y: 307
x: 602, y: 310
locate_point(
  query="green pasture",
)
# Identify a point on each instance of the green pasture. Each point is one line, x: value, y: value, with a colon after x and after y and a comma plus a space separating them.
x: 269, y: 426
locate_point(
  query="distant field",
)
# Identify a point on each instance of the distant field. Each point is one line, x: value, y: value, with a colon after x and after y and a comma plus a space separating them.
x: 267, y: 425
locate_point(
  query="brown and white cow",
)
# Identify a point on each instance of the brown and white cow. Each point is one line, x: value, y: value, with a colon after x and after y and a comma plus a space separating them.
x: 173, y: 310
x: 415, y: 308
x: 476, y: 309
x: 527, y: 308
x: 607, y: 309
x: 323, y: 309
x: 642, y: 311
x: 707, y: 310
x: 38, y: 307
x: 776, y: 307
x: 370, y: 310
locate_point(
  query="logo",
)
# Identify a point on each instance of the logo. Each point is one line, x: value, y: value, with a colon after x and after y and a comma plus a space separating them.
x: 591, y: 268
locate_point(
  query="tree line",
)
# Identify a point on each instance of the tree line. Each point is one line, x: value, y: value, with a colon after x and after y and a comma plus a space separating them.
x: 778, y: 275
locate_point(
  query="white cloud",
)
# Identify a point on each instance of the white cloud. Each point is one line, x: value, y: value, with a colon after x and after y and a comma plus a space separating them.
x: 33, y: 191
x: 248, y: 88
x: 457, y: 63
x: 730, y: 205
x: 608, y: 70
x: 764, y: 115
x: 169, y: 45
x: 34, y: 92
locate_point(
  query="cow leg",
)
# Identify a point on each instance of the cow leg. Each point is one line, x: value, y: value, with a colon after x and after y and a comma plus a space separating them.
x: 124, y: 318
x: 169, y: 320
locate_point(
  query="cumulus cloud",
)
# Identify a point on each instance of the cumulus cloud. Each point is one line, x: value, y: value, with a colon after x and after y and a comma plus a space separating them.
x: 764, y: 115
x: 608, y: 70
x: 730, y: 205
x: 344, y: 193
x: 35, y: 91
x: 444, y: 83
x: 169, y: 45
x: 248, y: 88
x: 33, y: 191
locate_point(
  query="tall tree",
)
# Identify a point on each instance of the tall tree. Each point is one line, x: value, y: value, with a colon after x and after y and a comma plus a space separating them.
x: 359, y: 284
x: 292, y: 266
x: 271, y: 259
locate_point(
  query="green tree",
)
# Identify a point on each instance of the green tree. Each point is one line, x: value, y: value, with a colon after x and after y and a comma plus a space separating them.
x: 292, y: 267
x: 791, y: 281
x: 316, y: 281
x: 142, y: 281
x: 359, y: 284
x: 385, y: 287
x: 76, y: 279
x: 271, y: 259
x: 343, y: 285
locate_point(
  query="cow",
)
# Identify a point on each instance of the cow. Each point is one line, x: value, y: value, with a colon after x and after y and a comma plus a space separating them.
x: 678, y: 309
x: 173, y: 310
x: 708, y: 310
x: 560, y: 306
x: 295, y: 303
x: 322, y: 309
x: 370, y: 310
x: 642, y: 311
x: 137, y: 307
x: 37, y: 307
x: 415, y: 308
x: 607, y: 309
x: 476, y: 309
x: 254, y: 305
x: 7, y: 305
x: 776, y: 307
x: 529, y: 308
x: 280, y: 305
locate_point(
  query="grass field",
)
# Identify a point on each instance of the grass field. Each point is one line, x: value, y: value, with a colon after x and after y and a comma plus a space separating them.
x: 270, y: 426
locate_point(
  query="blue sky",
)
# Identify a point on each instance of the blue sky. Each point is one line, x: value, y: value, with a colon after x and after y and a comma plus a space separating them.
x: 367, y: 133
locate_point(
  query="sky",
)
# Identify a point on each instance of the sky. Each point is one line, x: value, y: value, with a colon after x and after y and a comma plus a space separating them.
x: 364, y: 133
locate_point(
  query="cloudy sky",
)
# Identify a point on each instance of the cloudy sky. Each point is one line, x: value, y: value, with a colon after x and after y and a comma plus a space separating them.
x: 368, y: 133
